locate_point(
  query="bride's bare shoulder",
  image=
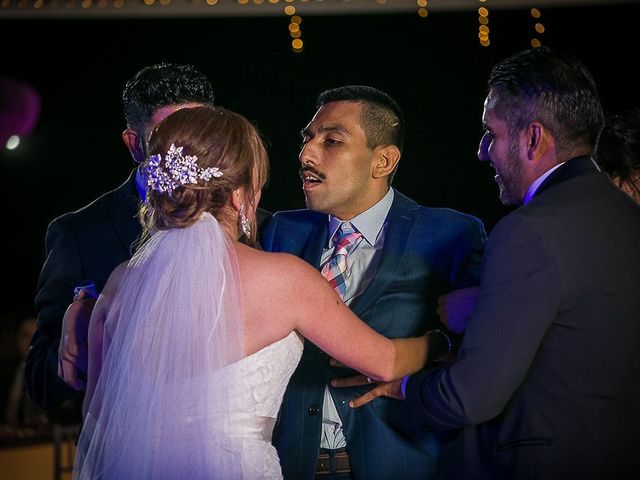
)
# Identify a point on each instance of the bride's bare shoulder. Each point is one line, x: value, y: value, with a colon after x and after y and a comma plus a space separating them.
x: 274, y: 265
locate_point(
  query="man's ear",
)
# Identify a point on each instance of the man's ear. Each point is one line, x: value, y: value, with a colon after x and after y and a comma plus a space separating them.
x: 133, y: 141
x: 386, y: 160
x: 537, y: 141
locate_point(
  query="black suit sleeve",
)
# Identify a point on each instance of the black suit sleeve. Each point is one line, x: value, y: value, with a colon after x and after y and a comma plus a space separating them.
x: 517, y: 303
x: 61, y: 273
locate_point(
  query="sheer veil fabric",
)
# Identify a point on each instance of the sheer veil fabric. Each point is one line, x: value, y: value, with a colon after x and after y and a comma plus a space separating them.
x: 161, y: 406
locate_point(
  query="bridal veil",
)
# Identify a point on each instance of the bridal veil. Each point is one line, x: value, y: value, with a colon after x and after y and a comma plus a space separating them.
x: 160, y: 407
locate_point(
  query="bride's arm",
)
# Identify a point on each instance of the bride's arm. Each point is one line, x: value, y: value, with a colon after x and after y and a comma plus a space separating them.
x: 95, y: 339
x: 324, y: 319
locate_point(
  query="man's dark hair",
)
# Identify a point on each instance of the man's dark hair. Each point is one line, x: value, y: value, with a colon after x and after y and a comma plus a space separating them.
x: 382, y: 119
x: 554, y: 89
x: 160, y: 85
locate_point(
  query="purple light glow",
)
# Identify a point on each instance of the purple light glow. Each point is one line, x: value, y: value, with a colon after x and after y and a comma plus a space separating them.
x: 19, y: 109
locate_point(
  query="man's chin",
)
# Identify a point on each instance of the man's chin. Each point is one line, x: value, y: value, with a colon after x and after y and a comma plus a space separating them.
x: 314, y: 205
x: 311, y: 205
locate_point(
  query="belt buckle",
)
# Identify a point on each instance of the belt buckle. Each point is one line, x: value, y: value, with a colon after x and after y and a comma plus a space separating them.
x: 335, y: 462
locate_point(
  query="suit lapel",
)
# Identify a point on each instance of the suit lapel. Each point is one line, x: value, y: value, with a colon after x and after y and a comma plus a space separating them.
x: 312, y: 252
x: 401, y: 218
x: 124, y: 213
x: 572, y: 168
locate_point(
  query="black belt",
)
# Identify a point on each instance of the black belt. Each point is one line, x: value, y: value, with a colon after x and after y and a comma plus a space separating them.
x: 333, y: 462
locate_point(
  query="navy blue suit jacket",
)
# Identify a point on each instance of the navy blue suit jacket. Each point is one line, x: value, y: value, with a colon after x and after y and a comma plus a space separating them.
x: 427, y: 252
x: 547, y: 381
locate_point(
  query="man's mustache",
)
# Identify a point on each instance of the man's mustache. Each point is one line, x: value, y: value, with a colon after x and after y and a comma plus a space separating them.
x: 313, y: 171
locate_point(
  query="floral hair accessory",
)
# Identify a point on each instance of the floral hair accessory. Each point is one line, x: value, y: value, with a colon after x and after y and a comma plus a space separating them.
x: 178, y: 170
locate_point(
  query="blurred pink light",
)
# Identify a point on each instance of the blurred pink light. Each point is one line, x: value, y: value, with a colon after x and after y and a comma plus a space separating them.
x: 19, y: 108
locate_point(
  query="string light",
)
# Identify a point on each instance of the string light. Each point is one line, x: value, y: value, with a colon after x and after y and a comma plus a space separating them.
x: 422, y: 8
x: 483, y: 27
x: 538, y: 27
x: 297, y: 45
x: 294, y: 27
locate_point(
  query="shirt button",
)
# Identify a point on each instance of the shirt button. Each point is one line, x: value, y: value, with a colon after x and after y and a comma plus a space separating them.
x: 313, y: 410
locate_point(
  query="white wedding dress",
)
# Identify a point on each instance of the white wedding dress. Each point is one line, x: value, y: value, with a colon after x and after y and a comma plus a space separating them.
x: 255, y: 399
x: 174, y: 399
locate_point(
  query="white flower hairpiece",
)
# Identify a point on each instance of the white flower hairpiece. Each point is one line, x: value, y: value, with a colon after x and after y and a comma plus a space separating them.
x: 178, y: 170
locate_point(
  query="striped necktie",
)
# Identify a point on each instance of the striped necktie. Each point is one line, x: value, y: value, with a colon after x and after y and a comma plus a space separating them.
x: 336, y: 269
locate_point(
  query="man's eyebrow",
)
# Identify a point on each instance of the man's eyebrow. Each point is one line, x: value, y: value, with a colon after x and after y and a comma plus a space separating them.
x: 334, y: 128
x: 307, y: 132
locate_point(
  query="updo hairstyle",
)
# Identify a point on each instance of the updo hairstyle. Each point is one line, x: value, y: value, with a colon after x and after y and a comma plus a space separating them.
x: 219, y: 138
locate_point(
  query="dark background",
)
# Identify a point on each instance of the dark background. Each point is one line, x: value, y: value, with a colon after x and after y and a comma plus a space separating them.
x: 435, y: 68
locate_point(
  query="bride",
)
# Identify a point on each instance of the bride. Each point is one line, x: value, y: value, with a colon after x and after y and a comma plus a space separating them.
x: 192, y: 342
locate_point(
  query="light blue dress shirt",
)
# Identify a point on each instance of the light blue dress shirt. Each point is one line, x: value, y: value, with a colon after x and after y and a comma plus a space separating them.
x: 363, y: 263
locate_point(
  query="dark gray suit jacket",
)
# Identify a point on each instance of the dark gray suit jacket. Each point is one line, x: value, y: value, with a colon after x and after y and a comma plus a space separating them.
x: 83, y: 245
x: 547, y: 381
x: 427, y: 252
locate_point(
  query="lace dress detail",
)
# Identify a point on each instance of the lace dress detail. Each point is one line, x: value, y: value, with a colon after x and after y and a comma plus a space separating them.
x: 255, y: 398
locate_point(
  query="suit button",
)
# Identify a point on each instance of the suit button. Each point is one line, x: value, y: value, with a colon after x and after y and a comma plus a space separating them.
x: 313, y: 410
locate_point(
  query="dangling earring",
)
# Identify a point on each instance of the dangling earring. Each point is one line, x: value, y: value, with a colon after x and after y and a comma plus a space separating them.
x: 244, y: 222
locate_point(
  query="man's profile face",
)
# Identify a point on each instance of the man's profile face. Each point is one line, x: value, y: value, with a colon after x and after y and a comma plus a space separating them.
x: 502, y: 151
x: 336, y: 162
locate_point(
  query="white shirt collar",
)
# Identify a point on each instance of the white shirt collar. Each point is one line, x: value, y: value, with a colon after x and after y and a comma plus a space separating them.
x: 369, y: 223
x: 533, y: 188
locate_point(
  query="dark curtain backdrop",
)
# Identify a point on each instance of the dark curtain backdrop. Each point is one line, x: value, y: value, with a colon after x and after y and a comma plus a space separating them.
x: 434, y: 67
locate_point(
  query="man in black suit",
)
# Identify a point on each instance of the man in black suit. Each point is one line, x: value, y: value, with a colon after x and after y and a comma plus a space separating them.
x: 86, y: 245
x: 546, y: 384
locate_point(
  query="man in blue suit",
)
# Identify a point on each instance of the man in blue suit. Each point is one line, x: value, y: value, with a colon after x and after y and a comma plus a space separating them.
x: 546, y: 384
x: 406, y: 257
